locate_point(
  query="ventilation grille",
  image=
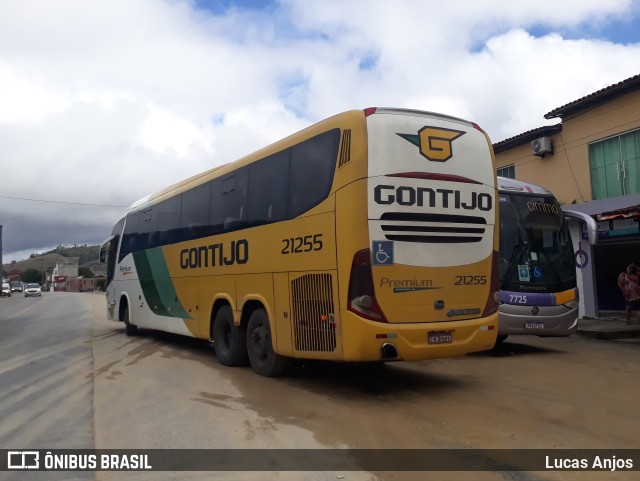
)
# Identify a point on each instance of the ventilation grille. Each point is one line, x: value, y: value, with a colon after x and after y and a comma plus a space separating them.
x: 345, y: 148
x: 433, y: 228
x: 313, y: 315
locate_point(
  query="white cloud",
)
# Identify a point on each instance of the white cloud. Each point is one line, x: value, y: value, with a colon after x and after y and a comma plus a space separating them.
x: 163, y: 131
x: 106, y: 101
x: 25, y: 99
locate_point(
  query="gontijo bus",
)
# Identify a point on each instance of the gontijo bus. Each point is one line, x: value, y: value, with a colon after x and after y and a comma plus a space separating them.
x: 370, y: 236
x: 538, y: 293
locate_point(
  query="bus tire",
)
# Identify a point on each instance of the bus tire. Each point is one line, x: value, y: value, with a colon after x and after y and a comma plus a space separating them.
x: 264, y: 360
x: 229, y: 340
x: 129, y: 329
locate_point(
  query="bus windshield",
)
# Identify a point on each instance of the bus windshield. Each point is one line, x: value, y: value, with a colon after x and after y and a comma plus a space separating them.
x: 536, y: 254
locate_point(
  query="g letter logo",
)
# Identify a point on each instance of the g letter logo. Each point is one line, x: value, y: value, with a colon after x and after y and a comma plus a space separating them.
x: 434, y: 142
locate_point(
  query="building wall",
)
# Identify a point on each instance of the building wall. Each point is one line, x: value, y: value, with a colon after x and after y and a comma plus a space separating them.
x: 80, y: 284
x: 566, y: 171
x: 68, y: 267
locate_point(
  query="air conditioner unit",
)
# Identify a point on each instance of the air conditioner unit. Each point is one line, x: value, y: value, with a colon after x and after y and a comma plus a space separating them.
x: 542, y: 146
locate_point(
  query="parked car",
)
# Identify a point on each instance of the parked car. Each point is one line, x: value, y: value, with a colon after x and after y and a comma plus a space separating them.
x: 6, y: 289
x: 32, y: 290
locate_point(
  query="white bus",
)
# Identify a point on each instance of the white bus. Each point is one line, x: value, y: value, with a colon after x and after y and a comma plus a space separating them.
x: 538, y: 290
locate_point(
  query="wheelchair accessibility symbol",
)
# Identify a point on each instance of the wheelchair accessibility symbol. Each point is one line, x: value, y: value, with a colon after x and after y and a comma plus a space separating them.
x: 382, y: 253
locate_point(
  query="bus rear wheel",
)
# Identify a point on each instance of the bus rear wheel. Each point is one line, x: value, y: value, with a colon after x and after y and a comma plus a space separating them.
x: 264, y: 360
x: 129, y: 329
x: 229, y: 340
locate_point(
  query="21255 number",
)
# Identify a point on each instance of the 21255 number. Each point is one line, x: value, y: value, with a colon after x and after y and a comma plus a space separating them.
x: 470, y: 280
x: 298, y: 245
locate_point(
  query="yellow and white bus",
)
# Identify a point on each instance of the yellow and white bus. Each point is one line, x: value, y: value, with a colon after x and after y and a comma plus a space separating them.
x: 369, y: 236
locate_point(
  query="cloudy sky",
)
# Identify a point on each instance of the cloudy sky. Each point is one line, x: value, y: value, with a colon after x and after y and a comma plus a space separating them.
x: 105, y: 101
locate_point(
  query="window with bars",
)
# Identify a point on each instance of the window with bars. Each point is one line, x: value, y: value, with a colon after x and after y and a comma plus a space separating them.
x: 615, y: 166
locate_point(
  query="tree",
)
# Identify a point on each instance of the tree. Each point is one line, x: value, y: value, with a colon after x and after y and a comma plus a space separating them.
x: 101, y: 284
x: 32, y: 275
x: 86, y: 273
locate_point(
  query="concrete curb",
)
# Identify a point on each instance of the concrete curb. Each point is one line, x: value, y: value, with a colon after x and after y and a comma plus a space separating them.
x: 608, y: 328
x: 609, y: 335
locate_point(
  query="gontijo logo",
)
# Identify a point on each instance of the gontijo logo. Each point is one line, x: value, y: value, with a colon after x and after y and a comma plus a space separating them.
x: 434, y: 142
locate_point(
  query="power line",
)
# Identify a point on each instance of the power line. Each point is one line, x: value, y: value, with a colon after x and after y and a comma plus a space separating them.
x: 62, y: 202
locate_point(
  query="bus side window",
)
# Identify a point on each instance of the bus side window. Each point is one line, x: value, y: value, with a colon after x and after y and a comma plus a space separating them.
x: 168, y: 222
x: 268, y: 188
x: 228, y: 202
x: 194, y: 218
x: 129, y: 238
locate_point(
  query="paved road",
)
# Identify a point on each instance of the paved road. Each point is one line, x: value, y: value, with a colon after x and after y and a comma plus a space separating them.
x: 71, y: 379
x: 46, y: 366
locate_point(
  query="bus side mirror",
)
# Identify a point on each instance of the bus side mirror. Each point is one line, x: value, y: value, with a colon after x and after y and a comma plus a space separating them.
x: 104, y: 249
x: 591, y: 226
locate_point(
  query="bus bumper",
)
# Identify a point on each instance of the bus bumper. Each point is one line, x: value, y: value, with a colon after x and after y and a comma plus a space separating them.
x: 365, y: 340
x: 551, y: 321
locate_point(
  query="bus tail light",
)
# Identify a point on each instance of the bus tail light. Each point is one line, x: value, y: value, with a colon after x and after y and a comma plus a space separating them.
x: 362, y: 297
x: 493, y: 301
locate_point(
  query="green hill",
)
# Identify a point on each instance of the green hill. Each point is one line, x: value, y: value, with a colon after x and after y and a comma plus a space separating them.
x: 47, y: 260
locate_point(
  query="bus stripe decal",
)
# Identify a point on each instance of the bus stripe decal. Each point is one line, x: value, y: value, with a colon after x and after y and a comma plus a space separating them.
x: 148, y: 283
x: 164, y: 284
x: 157, y: 290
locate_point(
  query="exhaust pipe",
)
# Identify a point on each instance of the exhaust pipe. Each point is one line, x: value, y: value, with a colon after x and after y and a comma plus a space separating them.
x: 388, y: 351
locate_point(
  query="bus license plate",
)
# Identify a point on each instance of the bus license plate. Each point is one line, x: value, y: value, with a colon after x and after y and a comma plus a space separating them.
x: 440, y: 337
x: 534, y: 325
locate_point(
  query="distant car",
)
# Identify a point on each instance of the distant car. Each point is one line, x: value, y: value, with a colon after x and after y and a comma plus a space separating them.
x: 32, y: 290
x: 6, y: 289
x: 16, y: 287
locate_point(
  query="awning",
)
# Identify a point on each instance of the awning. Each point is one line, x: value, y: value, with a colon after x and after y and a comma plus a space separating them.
x: 624, y: 213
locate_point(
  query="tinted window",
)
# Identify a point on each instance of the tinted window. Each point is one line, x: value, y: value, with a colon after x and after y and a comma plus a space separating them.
x: 117, y: 229
x: 147, y: 226
x: 113, y: 249
x: 148, y: 221
x: 130, y: 235
x: 228, y: 201
x: 195, y: 207
x: 312, y: 165
x: 168, y: 223
x: 268, y: 189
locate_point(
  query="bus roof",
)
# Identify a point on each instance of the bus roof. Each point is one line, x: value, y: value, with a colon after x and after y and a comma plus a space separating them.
x: 275, y: 147
x: 272, y: 148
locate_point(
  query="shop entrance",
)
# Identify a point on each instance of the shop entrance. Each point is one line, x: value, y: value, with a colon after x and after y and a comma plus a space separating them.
x: 611, y: 258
